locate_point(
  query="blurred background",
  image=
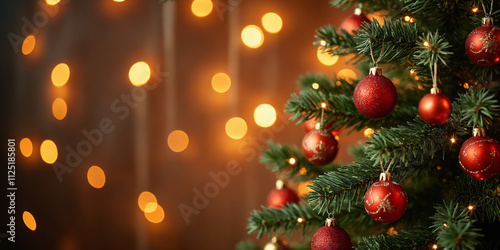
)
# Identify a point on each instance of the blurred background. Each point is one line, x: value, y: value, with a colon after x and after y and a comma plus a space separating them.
x: 139, y: 124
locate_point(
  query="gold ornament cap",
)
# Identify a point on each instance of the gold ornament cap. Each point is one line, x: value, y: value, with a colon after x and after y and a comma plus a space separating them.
x: 385, y: 176
x: 478, y: 132
x: 280, y: 184
x: 276, y: 244
x: 357, y: 11
x: 331, y: 222
x: 435, y: 91
x: 487, y: 21
x: 376, y: 71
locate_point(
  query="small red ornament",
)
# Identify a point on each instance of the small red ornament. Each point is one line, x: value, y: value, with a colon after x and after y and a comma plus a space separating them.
x: 385, y: 200
x: 435, y: 108
x: 331, y: 237
x: 313, y: 124
x: 319, y: 146
x: 479, y: 156
x: 482, y: 44
x: 375, y: 95
x: 354, y: 22
x: 281, y: 196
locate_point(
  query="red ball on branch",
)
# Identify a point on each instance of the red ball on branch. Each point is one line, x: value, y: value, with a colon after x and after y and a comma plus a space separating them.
x: 354, y: 22
x: 319, y: 146
x: 331, y: 237
x: 479, y: 156
x: 482, y: 44
x: 435, y: 108
x: 375, y: 95
x: 281, y: 196
x: 385, y: 201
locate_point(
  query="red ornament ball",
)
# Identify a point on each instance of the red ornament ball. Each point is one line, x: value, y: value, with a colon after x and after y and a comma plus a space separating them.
x: 435, y: 109
x: 319, y: 146
x: 331, y: 237
x: 375, y: 95
x: 353, y: 23
x: 482, y: 44
x: 385, y: 201
x: 281, y: 196
x: 479, y: 157
x: 313, y: 124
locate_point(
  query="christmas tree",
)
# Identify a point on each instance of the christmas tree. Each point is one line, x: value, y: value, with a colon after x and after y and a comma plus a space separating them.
x: 427, y: 178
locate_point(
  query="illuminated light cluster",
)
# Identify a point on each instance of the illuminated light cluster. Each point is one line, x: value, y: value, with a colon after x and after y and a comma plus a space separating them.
x: 236, y: 128
x: 28, y: 45
x: 48, y: 151
x: 368, y: 132
x: 315, y: 85
x: 178, y: 141
x: 348, y: 75
x: 303, y: 171
x: 326, y: 58
x: 264, y: 115
x: 139, y: 73
x: 26, y: 147
x: 60, y: 74
x: 201, y: 8
x: 29, y: 220
x: 252, y: 36
x: 96, y: 177
x: 152, y: 210
x: 272, y: 22
x: 221, y: 82
x: 466, y: 85
x: 453, y: 140
x: 59, y: 108
x: 155, y: 216
x: 52, y: 2
x: 409, y: 19
x: 118, y: 1
x: 292, y: 161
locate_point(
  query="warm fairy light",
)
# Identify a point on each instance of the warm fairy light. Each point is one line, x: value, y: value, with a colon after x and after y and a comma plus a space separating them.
x: 236, y: 128
x: 139, y: 73
x: 48, y: 151
x: 419, y: 86
x: 28, y: 44
x: 52, y: 2
x: 466, y: 85
x: 29, y: 220
x: 426, y: 44
x: 470, y: 207
x: 221, y: 82
x: 453, y: 140
x: 292, y: 161
x: 272, y: 22
x: 178, y: 141
x: 145, y: 198
x: 412, y: 71
x: 300, y: 220
x: 326, y: 58
x: 302, y: 171
x: 96, y: 177
x: 202, y: 8
x: 252, y: 36
x: 323, y: 104
x: 264, y: 115
x: 338, y: 83
x: 150, y: 207
x: 59, y: 108
x: 407, y: 18
x: 322, y: 43
x: 303, y: 188
x: 475, y: 9
x: 445, y: 225
x: 434, y: 246
x: 396, y: 81
x: 439, y: 167
x: 347, y: 75
x: 60, y: 74
x: 392, y: 231
x: 315, y: 85
x: 368, y: 132
x: 156, y: 216
x: 118, y: 1
x: 26, y: 147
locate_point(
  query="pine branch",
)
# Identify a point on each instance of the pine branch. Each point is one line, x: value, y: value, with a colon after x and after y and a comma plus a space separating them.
x: 335, y: 43
x: 368, y: 5
x: 325, y: 85
x: 479, y: 108
x: 274, y: 221
x: 405, y: 239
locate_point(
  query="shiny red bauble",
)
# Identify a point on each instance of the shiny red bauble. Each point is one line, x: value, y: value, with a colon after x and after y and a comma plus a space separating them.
x: 435, y: 109
x: 319, y: 147
x: 482, y: 44
x: 479, y: 157
x: 385, y: 201
x: 331, y: 237
x: 375, y: 95
x: 353, y: 23
x: 281, y: 196
x: 313, y: 124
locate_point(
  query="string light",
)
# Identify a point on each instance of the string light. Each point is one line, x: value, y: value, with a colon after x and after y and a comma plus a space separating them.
x: 315, y: 85
x: 303, y: 171
x: 445, y: 225
x: 412, y: 71
x: 453, y: 140
x: 407, y: 18
x: 434, y: 246
x: 322, y: 43
x: 470, y: 207
x: 323, y: 104
x: 426, y: 44
x: 439, y: 168
x: 300, y: 220
x: 292, y: 161
x: 475, y: 9
x: 368, y: 132
x: 466, y: 85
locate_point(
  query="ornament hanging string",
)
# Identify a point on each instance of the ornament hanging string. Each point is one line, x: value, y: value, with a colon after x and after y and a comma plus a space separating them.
x: 371, y: 52
x: 382, y: 166
x: 434, y: 75
x: 484, y: 8
x: 321, y: 122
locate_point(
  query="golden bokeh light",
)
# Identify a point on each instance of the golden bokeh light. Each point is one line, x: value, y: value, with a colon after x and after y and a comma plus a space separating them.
x: 347, y: 74
x: 26, y: 147
x: 315, y: 85
x: 325, y: 57
x: 48, y: 151
x: 201, y: 8
x: 150, y: 207
x: 178, y: 140
x: 28, y: 44
x: 139, y: 73
x: 292, y: 161
x: 156, y: 216
x: 118, y: 1
x: 60, y: 74
x: 29, y: 220
x: 96, y: 177
x: 52, y: 2
x: 300, y: 220
x: 145, y: 198
x: 368, y: 132
x: 252, y: 36
x: 59, y: 108
x: 272, y: 22
x: 303, y: 189
x: 236, y: 128
x: 264, y: 115
x: 221, y: 82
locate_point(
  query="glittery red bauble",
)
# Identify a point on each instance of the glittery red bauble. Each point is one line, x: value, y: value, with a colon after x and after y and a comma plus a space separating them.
x: 313, y: 124
x: 435, y: 109
x: 479, y: 157
x: 385, y: 201
x: 353, y: 23
x: 319, y: 146
x: 375, y: 96
x: 482, y: 44
x: 331, y: 237
x: 280, y: 197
